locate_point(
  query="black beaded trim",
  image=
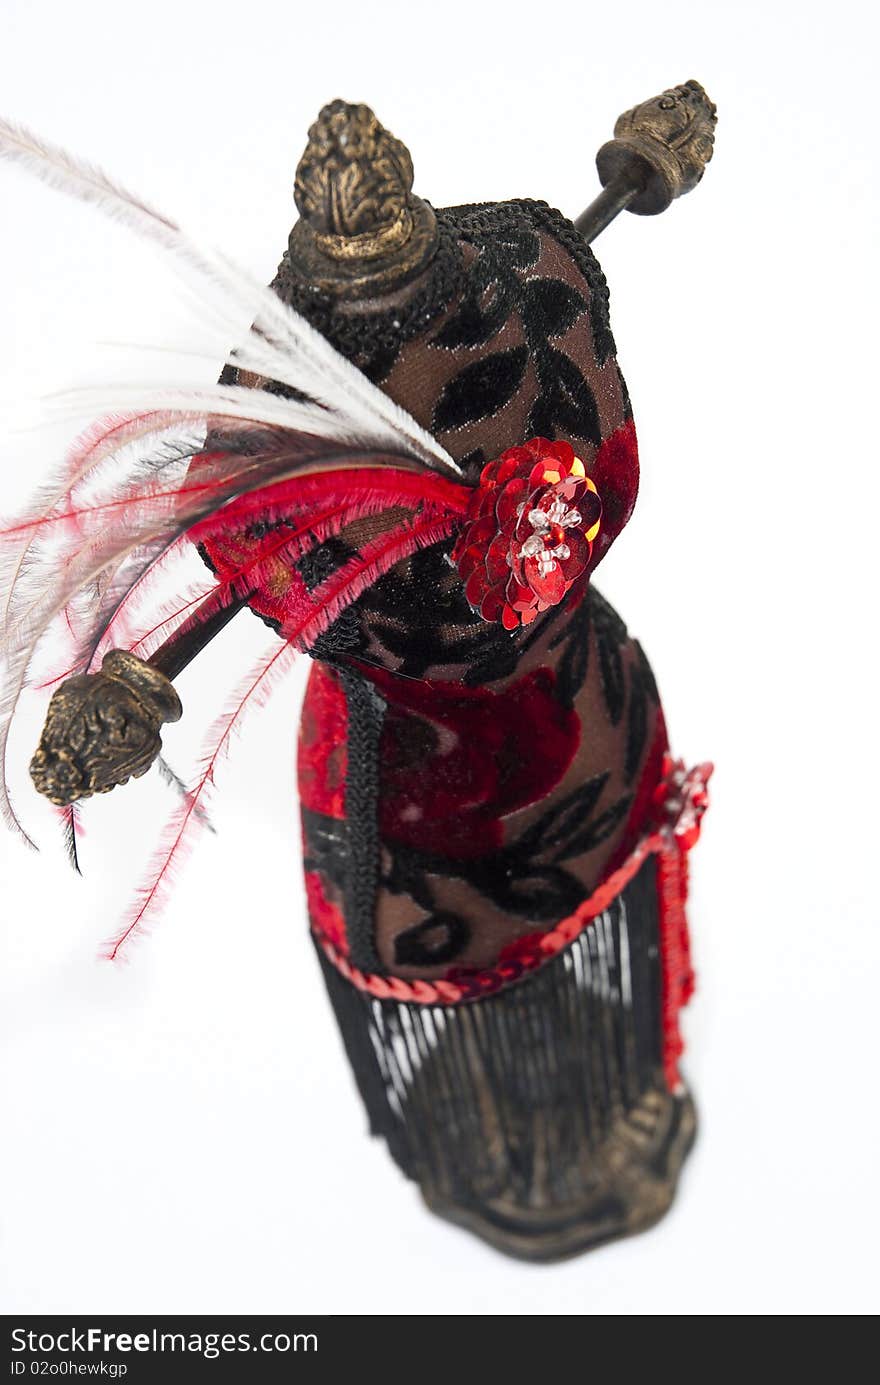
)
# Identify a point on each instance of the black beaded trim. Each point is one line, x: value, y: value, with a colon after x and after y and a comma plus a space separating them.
x: 373, y: 340
x: 502, y: 216
x: 571, y: 240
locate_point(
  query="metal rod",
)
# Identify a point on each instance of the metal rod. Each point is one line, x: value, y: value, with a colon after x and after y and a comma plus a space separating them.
x: 659, y: 151
x: 612, y: 200
x: 172, y: 657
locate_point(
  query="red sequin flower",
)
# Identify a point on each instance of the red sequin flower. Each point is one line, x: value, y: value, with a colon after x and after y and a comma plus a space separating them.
x: 529, y: 532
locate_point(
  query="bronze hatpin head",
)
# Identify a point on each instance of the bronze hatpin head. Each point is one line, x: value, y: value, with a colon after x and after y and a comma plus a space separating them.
x: 102, y: 729
x: 362, y: 231
x: 666, y: 141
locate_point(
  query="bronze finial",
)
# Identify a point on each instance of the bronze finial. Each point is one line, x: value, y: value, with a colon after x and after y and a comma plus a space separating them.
x: 362, y: 230
x: 659, y: 152
x: 672, y: 136
x: 103, y: 729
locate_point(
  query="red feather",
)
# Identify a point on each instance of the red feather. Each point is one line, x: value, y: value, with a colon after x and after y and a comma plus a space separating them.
x: 319, y: 609
x: 392, y: 485
x: 346, y: 496
x: 190, y: 813
x: 328, y: 600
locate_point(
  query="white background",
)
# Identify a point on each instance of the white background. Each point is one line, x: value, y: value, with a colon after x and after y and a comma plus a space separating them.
x: 182, y: 1133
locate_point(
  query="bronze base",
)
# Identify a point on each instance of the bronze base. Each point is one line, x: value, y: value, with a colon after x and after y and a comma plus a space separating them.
x: 629, y: 1184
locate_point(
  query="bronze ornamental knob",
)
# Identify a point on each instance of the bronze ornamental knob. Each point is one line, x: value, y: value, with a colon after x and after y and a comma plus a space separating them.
x: 362, y: 230
x: 663, y: 145
x: 102, y: 729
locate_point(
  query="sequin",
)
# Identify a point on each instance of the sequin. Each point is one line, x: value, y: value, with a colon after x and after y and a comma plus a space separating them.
x: 529, y: 532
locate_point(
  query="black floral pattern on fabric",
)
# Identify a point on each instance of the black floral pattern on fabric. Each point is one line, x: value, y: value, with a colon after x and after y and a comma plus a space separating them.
x: 566, y: 403
x: 480, y: 389
x: 571, y: 240
x: 611, y: 636
x: 593, y: 615
x: 547, y: 306
x: 642, y: 690
x: 441, y: 937
x: 418, y: 615
x: 574, y: 661
x: 492, y: 288
x: 528, y: 878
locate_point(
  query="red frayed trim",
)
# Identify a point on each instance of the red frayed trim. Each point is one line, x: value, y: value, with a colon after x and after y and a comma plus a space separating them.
x: 344, y: 586
x: 677, y: 978
x: 396, y: 485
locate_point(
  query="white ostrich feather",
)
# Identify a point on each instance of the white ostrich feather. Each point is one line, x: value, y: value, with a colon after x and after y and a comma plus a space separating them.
x: 58, y: 549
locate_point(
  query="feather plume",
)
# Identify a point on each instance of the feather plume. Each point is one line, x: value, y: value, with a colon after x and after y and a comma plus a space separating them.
x: 88, y: 546
x: 280, y: 344
x: 326, y: 602
x: 296, y: 517
x: 69, y: 818
x: 174, y: 781
x: 180, y: 830
x: 339, y: 401
x: 181, y: 464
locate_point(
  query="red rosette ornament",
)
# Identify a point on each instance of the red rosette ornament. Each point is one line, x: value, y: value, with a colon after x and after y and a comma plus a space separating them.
x: 528, y: 533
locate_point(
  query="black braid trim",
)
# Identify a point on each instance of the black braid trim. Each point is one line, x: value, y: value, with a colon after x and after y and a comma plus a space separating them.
x: 571, y: 240
x: 366, y: 713
x: 374, y: 340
